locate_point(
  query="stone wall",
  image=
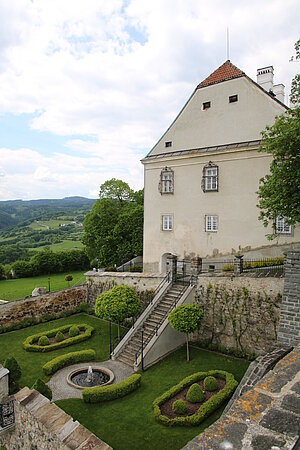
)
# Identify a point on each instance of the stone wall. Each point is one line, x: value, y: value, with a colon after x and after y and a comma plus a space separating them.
x: 35, y: 307
x: 240, y: 312
x: 144, y: 283
x: 41, y: 425
x: 289, y: 325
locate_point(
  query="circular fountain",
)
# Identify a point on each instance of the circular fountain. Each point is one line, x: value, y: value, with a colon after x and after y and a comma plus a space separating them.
x: 85, y: 377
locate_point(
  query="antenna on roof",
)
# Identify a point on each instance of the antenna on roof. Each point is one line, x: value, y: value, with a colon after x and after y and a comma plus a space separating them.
x: 227, y: 43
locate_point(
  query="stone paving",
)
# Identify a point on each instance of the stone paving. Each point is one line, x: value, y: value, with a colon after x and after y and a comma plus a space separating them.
x: 266, y: 417
x: 61, y: 389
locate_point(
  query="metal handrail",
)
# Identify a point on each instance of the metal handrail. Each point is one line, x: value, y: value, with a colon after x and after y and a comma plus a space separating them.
x: 158, y: 288
x: 160, y: 322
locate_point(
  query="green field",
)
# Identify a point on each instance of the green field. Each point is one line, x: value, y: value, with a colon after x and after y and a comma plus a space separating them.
x: 47, y: 224
x: 66, y: 244
x: 22, y: 287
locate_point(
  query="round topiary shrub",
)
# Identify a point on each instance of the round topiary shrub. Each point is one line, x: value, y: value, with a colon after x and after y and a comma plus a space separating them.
x: 179, y: 407
x: 59, y: 336
x: 210, y: 384
x: 43, y: 341
x: 42, y: 388
x: 74, y: 331
x: 195, y: 394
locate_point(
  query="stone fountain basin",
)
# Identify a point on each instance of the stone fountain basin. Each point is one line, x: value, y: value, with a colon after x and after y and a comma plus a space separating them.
x: 96, y: 370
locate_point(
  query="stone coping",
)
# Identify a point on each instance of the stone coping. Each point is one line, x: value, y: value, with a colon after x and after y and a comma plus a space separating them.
x: 266, y: 416
x: 92, y: 273
x: 69, y: 432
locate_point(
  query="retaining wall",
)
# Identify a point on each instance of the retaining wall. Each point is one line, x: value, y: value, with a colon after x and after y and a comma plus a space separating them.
x: 240, y: 312
x: 144, y: 283
x: 36, y: 307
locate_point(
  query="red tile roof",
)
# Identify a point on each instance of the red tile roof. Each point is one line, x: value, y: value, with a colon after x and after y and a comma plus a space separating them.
x: 225, y: 72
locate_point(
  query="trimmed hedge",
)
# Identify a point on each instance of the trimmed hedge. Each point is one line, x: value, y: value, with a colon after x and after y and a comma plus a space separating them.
x: 43, y: 340
x: 59, y: 336
x: 30, y: 343
x: 112, y: 391
x: 206, y: 408
x: 74, y: 331
x: 67, y: 359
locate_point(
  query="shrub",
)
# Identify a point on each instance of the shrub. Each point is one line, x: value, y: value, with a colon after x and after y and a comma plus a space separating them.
x: 43, y: 340
x: 195, y: 394
x: 112, y: 391
x: 136, y: 269
x: 210, y: 384
x: 59, y: 336
x: 74, y: 331
x: 31, y: 342
x: 205, y: 409
x: 69, y: 358
x: 42, y: 388
x: 179, y: 407
x: 15, y: 374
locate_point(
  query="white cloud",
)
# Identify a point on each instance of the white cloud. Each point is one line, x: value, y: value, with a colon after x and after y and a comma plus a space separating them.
x: 119, y: 72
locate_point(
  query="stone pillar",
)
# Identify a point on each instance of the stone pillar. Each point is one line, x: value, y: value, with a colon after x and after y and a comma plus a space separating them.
x: 289, y: 321
x: 238, y: 264
x: 3, y: 383
x: 172, y: 259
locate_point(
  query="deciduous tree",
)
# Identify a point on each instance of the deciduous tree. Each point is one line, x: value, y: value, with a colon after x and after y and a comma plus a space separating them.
x: 187, y: 319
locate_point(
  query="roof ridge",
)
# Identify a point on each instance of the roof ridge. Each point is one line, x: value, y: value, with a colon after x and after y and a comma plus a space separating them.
x: 226, y: 71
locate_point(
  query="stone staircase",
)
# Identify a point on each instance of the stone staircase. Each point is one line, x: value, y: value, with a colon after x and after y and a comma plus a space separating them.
x: 151, y: 324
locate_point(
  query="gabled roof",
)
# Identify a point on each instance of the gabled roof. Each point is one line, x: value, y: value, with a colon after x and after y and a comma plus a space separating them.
x: 226, y: 71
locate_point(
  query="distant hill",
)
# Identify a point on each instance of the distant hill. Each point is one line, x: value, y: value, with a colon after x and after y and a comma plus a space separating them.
x: 23, y: 212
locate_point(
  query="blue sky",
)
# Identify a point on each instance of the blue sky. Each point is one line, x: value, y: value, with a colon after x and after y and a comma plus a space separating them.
x: 87, y: 88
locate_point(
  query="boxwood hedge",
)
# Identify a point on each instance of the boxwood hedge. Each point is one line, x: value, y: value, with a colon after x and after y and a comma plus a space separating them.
x: 206, y: 408
x: 112, y: 391
x: 67, y: 359
x: 31, y: 342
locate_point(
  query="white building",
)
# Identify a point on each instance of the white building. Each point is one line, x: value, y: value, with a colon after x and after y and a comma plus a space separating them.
x: 202, y: 176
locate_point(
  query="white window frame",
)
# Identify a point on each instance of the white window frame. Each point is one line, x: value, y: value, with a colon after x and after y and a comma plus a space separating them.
x: 282, y: 227
x: 166, y: 185
x: 211, y: 223
x: 167, y: 222
x: 211, y: 178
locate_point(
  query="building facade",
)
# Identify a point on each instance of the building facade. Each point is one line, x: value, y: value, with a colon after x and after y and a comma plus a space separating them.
x: 202, y: 176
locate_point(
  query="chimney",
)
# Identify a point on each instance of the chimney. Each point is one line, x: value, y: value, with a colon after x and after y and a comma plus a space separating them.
x: 278, y: 90
x: 265, y: 78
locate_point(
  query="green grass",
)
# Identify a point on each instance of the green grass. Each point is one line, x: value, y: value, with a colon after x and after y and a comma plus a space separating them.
x: 66, y: 244
x: 11, y: 344
x: 127, y: 423
x: 48, y: 224
x: 22, y: 287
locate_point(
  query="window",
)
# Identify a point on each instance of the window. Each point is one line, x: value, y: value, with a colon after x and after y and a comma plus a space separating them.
x: 233, y: 98
x: 167, y: 222
x: 206, y: 105
x: 210, y: 177
x: 282, y: 227
x: 211, y: 223
x: 168, y: 144
x: 166, y: 184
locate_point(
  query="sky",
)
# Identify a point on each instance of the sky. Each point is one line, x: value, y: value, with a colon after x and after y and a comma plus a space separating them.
x: 88, y: 87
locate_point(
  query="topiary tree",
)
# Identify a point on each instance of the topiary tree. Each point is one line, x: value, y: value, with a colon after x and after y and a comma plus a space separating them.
x: 210, y: 384
x: 119, y: 303
x: 42, y: 388
x: 187, y: 319
x: 59, y: 336
x: 74, y: 331
x: 195, y: 394
x: 68, y: 278
x: 179, y: 407
x: 14, y: 374
x: 43, y: 340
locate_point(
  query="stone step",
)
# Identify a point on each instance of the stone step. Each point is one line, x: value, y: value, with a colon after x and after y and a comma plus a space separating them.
x: 125, y: 360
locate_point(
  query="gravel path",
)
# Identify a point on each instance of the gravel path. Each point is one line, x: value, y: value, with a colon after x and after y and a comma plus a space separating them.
x: 61, y: 389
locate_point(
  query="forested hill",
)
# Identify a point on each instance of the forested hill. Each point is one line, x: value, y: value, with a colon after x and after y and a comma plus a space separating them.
x: 20, y: 212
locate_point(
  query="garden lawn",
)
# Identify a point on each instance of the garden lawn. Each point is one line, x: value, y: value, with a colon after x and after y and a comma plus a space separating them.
x: 22, y: 287
x: 129, y: 423
x: 11, y: 344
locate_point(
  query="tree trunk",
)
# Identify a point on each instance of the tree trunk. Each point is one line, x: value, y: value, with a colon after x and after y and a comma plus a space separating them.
x: 187, y: 347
